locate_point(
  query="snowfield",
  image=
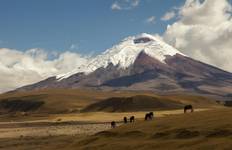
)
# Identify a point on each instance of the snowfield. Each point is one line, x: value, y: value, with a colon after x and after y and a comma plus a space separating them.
x: 125, y: 53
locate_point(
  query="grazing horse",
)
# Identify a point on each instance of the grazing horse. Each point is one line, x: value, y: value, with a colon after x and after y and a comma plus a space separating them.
x: 125, y: 119
x: 132, y: 119
x: 113, y: 124
x: 149, y: 116
x: 187, y: 107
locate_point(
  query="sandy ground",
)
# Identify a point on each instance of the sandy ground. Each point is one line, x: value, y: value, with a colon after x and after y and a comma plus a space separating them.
x: 70, y: 124
x: 54, y: 130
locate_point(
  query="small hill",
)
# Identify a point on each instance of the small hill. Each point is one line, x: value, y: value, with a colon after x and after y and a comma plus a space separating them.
x: 16, y: 104
x: 134, y: 103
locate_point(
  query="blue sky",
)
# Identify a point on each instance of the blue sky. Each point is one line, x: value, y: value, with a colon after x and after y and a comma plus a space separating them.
x: 43, y: 38
x: 88, y: 25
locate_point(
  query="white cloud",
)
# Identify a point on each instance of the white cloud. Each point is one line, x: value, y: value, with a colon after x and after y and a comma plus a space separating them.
x: 135, y: 3
x: 125, y: 4
x: 204, y: 32
x: 168, y: 16
x: 21, y: 68
x: 115, y: 6
x: 151, y: 20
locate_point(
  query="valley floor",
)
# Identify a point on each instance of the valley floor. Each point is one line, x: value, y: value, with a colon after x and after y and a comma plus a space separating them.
x: 204, y: 129
x: 69, y: 124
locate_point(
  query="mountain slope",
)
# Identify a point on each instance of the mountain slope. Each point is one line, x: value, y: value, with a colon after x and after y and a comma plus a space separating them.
x: 143, y: 62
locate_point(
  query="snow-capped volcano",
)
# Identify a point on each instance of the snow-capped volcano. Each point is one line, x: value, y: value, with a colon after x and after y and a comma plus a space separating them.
x: 143, y: 62
x: 125, y: 53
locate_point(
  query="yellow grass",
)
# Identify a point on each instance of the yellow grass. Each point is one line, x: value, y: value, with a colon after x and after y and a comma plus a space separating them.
x: 58, y: 126
x: 207, y: 129
x: 85, y: 123
x: 204, y: 130
x: 107, y: 117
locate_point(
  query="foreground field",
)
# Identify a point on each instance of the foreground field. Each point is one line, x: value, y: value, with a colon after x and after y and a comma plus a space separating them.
x: 52, y: 119
x: 206, y: 129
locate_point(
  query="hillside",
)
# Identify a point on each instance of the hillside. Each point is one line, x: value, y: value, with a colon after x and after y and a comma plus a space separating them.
x: 208, y: 130
x: 53, y: 101
x: 135, y: 103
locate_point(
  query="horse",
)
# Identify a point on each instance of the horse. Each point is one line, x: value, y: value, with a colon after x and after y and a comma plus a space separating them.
x: 187, y: 107
x: 125, y: 119
x: 132, y: 119
x: 113, y: 124
x: 149, y: 116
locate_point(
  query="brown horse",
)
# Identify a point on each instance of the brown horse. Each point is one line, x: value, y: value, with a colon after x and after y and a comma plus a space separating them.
x: 125, y: 119
x: 132, y: 119
x: 188, y: 107
x: 113, y: 124
x: 149, y: 116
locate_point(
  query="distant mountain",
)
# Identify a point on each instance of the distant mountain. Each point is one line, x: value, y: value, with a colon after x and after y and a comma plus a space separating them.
x: 143, y: 62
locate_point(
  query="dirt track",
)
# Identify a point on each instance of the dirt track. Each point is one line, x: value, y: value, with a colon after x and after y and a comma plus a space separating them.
x: 81, y: 129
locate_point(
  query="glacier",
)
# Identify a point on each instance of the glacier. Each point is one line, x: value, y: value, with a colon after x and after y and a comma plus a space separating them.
x: 125, y: 53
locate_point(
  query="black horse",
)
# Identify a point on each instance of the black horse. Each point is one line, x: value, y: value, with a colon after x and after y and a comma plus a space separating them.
x: 149, y: 116
x: 125, y: 119
x: 132, y: 119
x: 188, y: 107
x: 113, y: 124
